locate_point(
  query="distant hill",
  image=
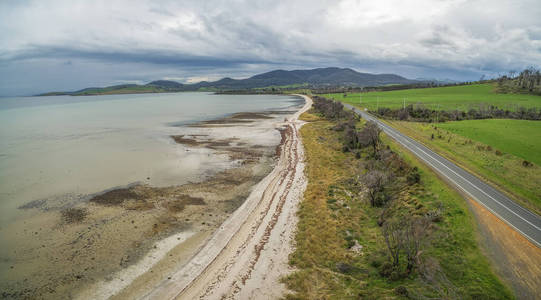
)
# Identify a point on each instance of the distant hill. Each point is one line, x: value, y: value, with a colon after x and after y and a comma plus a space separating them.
x: 315, y: 78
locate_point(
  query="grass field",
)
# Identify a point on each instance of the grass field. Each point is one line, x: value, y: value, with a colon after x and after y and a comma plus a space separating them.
x: 521, y: 138
x: 469, y: 148
x: 442, y: 98
x: 332, y: 216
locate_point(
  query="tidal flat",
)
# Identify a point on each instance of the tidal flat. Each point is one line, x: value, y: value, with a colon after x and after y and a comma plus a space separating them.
x: 107, y: 243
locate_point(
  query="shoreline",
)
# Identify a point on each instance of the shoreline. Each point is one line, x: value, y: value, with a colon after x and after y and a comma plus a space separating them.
x: 248, y: 255
x: 134, y: 221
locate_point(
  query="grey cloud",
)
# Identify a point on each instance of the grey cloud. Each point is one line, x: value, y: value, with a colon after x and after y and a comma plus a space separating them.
x: 139, y: 56
x: 108, y: 42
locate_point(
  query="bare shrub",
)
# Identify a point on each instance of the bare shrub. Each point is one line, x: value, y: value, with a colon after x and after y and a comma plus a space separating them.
x: 415, y: 239
x: 392, y: 232
x: 407, y: 235
x: 369, y: 136
x: 375, y: 182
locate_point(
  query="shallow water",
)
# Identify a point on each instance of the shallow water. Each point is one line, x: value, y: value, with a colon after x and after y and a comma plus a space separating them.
x: 63, y: 146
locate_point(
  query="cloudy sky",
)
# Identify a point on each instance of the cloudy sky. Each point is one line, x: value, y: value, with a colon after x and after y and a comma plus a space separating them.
x: 68, y: 45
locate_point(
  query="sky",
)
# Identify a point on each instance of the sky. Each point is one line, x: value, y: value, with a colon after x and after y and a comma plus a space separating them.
x: 69, y: 45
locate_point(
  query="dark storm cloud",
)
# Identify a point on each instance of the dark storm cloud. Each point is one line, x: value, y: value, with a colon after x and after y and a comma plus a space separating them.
x: 74, y: 44
x: 141, y: 56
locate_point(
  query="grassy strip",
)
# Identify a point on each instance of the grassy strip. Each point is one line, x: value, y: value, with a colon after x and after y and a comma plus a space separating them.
x: 442, y: 98
x: 333, y: 217
x: 503, y: 169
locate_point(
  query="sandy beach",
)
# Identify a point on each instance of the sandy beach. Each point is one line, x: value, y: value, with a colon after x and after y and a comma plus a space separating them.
x: 248, y: 254
x: 126, y: 241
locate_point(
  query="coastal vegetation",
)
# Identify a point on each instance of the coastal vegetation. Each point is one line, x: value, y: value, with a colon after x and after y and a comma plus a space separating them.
x: 376, y: 223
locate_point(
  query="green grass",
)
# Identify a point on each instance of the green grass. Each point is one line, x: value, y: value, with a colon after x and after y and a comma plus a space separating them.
x: 332, y: 214
x: 521, y: 138
x: 471, y: 151
x: 442, y: 98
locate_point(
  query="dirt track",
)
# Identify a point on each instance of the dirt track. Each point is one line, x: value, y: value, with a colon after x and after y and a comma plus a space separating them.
x: 248, y: 254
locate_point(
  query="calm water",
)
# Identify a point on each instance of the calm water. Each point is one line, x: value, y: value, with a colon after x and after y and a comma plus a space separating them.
x: 61, y: 145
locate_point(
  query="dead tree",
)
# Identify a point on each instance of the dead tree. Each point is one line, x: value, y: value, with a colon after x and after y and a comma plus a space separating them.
x: 375, y: 182
x: 369, y: 136
x: 392, y: 232
x: 414, y: 238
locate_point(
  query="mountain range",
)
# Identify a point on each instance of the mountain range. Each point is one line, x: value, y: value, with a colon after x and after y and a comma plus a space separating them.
x: 314, y: 78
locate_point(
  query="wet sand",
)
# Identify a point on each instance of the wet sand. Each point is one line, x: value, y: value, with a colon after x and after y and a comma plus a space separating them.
x: 113, y: 241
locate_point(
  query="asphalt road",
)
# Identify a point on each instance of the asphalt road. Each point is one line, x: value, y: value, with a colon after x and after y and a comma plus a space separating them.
x: 518, y: 217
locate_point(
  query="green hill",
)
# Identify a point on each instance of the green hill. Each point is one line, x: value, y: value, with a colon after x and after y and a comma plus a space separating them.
x: 314, y: 78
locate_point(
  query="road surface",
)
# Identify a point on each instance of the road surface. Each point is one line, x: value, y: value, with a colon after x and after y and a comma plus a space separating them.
x: 518, y: 217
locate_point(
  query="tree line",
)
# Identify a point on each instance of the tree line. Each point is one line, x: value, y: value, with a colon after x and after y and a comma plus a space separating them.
x: 526, y: 81
x: 421, y: 113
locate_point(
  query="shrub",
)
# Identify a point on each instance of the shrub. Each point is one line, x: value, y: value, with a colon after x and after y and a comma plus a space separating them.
x: 401, y: 291
x: 386, y: 269
x: 406, y: 235
x: 369, y: 136
x: 422, y: 114
x: 375, y: 182
x: 413, y: 176
x: 376, y: 262
x: 526, y: 164
x: 344, y: 268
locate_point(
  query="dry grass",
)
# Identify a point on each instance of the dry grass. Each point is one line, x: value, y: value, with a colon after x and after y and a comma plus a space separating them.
x: 320, y: 237
x: 309, y: 117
